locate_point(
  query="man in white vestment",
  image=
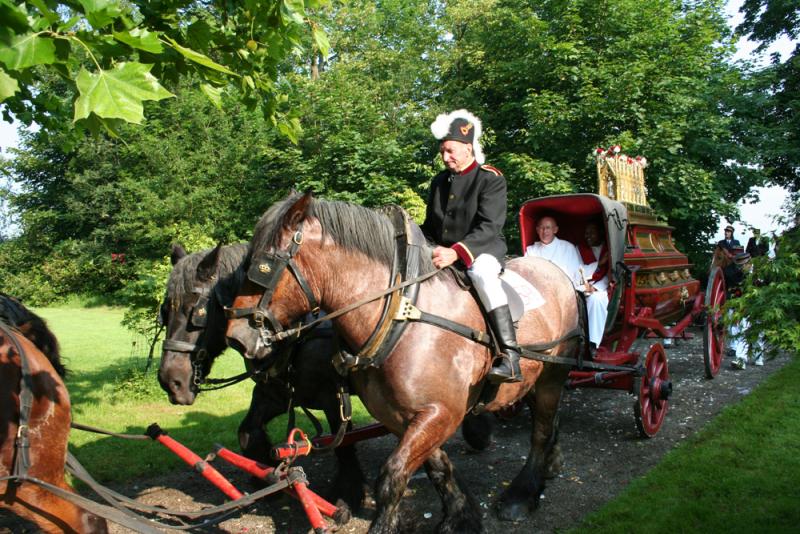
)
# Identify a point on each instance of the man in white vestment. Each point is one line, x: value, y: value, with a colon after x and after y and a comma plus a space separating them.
x: 562, y: 253
x: 586, y: 276
x: 594, y: 255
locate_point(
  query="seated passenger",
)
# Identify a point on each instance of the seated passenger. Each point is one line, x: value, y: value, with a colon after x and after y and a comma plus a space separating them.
x: 562, y: 253
x: 594, y: 255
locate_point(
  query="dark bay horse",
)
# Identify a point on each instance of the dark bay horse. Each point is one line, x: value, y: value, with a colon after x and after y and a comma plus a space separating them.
x: 198, y: 286
x: 48, y: 423
x: 342, y: 253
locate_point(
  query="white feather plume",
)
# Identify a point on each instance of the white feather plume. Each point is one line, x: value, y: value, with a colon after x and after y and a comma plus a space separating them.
x: 441, y: 127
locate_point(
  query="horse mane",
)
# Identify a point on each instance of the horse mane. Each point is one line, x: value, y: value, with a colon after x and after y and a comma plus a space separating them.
x: 350, y: 226
x: 33, y: 327
x: 183, y: 279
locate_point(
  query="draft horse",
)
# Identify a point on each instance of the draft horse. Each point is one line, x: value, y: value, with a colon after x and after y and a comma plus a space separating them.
x: 34, y: 425
x: 338, y: 254
x: 198, y: 287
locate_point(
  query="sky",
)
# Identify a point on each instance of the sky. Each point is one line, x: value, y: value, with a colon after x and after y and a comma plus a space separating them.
x: 753, y: 214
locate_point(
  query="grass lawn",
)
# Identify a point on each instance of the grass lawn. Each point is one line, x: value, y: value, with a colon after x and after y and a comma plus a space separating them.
x: 109, y: 390
x: 739, y: 474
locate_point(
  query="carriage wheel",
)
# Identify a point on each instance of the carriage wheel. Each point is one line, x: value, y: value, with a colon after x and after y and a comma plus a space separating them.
x: 714, y: 330
x: 652, y: 395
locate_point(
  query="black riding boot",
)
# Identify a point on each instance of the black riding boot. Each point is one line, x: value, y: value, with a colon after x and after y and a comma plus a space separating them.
x: 506, y: 366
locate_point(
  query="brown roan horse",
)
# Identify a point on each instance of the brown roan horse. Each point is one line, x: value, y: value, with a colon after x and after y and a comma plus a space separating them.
x: 432, y: 377
x: 47, y: 432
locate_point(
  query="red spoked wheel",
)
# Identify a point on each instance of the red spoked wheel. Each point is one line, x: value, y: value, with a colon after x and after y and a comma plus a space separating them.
x: 714, y: 330
x: 652, y: 394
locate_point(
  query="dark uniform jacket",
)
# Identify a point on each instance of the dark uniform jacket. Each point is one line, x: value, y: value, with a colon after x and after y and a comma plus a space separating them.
x: 467, y: 211
x: 757, y: 248
x: 729, y: 245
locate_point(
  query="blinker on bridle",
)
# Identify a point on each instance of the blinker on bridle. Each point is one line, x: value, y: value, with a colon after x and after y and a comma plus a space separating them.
x: 198, y: 317
x: 265, y: 271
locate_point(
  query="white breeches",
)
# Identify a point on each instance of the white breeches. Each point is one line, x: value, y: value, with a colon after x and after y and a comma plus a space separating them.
x: 597, y: 312
x: 485, y: 275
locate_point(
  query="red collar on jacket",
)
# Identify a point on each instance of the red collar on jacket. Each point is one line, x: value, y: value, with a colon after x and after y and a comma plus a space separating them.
x: 469, y: 168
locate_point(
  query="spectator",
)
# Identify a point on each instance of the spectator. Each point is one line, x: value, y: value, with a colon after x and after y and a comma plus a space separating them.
x: 757, y: 245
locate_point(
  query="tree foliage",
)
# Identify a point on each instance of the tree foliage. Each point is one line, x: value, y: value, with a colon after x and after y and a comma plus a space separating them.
x: 116, y: 55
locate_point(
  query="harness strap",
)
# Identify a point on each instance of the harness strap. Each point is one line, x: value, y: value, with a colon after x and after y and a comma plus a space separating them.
x: 22, y: 461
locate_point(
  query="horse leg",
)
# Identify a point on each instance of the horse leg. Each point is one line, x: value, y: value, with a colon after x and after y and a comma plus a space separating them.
x: 460, y: 510
x: 522, y: 496
x: 267, y: 402
x: 423, y: 436
x: 52, y: 514
x: 477, y: 430
x: 555, y: 460
x: 348, y: 485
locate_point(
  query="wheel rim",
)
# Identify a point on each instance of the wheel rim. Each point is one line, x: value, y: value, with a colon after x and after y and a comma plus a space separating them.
x: 655, y: 388
x: 714, y: 332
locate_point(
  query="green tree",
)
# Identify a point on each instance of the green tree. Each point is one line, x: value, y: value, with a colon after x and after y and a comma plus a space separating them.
x: 778, y: 115
x: 115, y: 55
x: 556, y: 79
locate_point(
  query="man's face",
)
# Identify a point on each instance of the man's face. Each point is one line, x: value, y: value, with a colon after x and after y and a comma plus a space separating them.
x: 546, y: 230
x: 728, y: 234
x: 592, y: 235
x: 456, y: 155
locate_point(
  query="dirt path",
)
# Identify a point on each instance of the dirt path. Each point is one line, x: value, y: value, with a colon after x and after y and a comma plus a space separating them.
x: 602, y: 453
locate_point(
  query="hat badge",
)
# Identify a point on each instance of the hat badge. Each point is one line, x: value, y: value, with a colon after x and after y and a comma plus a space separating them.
x: 465, y: 129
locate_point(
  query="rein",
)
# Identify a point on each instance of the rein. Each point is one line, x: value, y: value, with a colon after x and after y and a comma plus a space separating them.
x: 22, y: 461
x: 265, y: 271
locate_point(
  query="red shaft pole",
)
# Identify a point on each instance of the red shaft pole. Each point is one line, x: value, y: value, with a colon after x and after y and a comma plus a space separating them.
x: 200, y: 465
x: 262, y: 471
x: 314, y: 517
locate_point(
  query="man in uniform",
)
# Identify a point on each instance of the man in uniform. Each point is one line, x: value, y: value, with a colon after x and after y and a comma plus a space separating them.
x: 729, y: 243
x: 465, y: 216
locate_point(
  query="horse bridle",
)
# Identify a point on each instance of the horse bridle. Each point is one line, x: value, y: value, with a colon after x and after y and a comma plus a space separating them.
x: 266, y: 269
x: 198, y: 317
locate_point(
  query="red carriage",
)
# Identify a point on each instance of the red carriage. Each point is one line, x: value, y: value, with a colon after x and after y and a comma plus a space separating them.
x: 650, y: 287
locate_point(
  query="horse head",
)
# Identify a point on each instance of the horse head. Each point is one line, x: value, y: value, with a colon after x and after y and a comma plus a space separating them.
x: 274, y: 292
x: 193, y: 316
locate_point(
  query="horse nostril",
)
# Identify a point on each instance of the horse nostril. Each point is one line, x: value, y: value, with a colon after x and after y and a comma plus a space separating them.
x: 177, y: 385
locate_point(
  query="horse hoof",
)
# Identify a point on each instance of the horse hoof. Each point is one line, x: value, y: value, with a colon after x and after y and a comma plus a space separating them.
x: 513, y: 511
x: 342, y: 515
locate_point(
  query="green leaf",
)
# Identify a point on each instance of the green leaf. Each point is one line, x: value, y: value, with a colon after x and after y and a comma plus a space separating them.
x: 28, y: 50
x: 214, y: 94
x: 141, y: 39
x: 199, y: 58
x: 8, y: 86
x: 117, y: 93
x: 100, y: 13
x: 321, y: 40
x: 292, y: 11
x: 13, y: 16
x: 51, y: 16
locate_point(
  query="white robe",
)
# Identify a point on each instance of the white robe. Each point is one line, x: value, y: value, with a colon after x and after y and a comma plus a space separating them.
x: 597, y: 302
x: 562, y: 253
x: 566, y: 256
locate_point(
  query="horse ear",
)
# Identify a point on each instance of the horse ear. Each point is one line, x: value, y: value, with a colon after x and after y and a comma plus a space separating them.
x: 298, y: 212
x: 208, y: 266
x: 178, y: 252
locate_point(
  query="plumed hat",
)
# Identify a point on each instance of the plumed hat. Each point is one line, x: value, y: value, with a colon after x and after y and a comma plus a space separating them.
x: 460, y: 125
